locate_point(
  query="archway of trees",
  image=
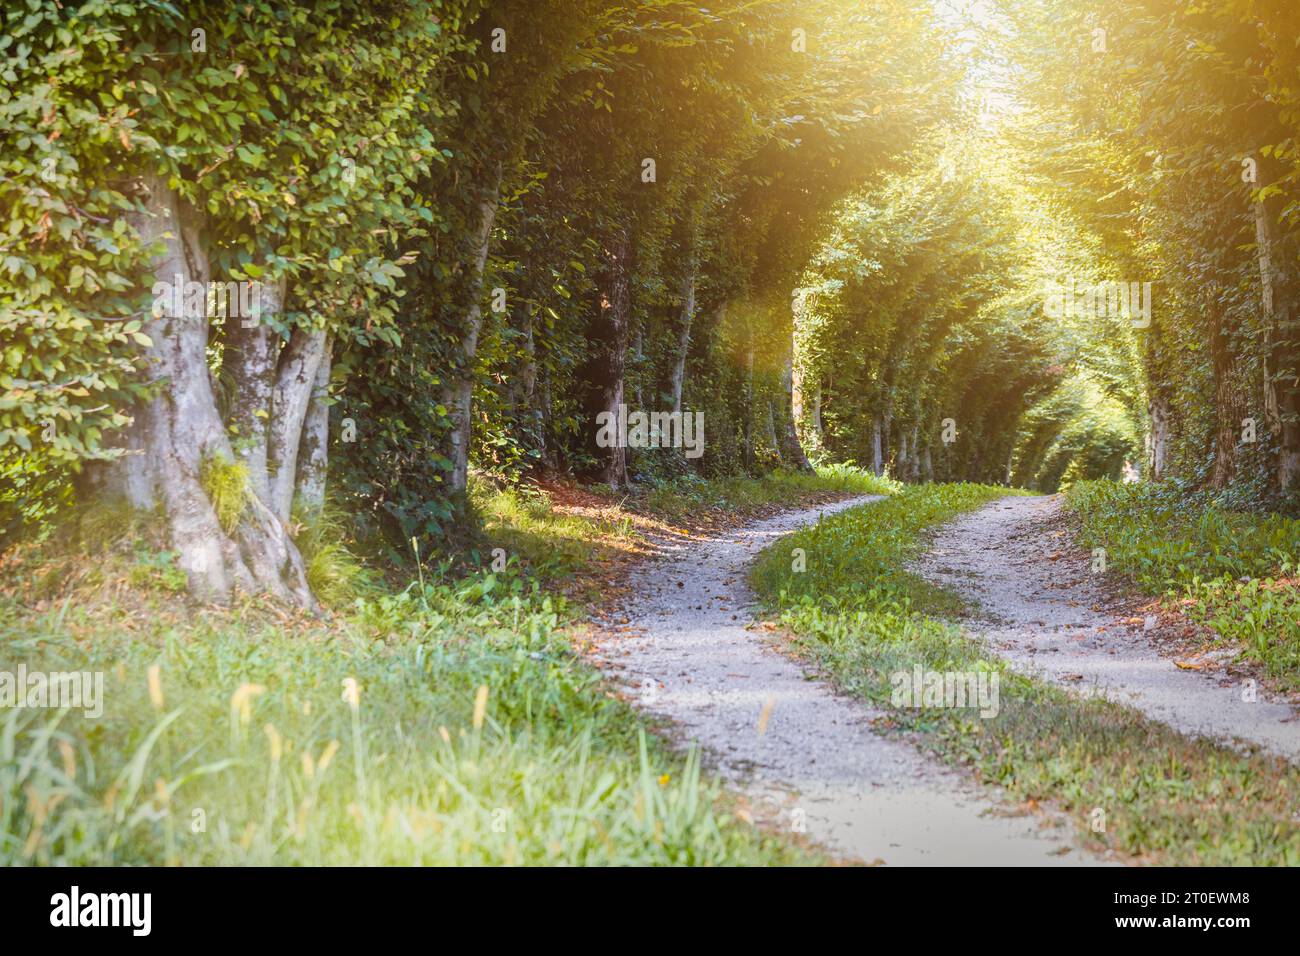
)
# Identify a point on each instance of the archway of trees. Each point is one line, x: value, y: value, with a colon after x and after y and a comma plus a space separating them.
x: 1024, y: 242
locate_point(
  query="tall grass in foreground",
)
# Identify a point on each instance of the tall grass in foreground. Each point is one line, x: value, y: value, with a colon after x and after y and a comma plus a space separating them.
x: 443, y: 725
x: 860, y: 614
x: 1237, y: 572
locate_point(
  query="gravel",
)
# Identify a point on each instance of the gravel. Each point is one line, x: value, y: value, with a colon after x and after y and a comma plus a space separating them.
x: 804, y: 757
x: 1041, y: 607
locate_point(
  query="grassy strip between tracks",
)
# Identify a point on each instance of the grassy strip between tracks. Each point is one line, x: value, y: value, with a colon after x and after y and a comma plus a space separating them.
x: 1131, y: 785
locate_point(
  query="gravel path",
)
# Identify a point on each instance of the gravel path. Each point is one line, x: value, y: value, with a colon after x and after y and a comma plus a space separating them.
x: 1042, y: 608
x: 805, y: 756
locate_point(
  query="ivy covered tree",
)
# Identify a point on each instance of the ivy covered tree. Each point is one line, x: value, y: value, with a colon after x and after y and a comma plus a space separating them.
x: 159, y: 156
x: 264, y: 258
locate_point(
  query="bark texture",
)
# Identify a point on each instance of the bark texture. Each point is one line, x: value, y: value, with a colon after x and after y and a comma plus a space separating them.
x: 313, y: 454
x: 792, y: 454
x: 685, y: 318
x: 1282, y: 357
x: 290, y: 397
x: 179, y: 432
x: 252, y: 352
x: 459, y: 396
x: 1229, y: 405
x: 1159, y: 413
x: 609, y: 333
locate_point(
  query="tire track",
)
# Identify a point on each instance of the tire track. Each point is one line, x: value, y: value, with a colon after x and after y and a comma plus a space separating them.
x: 1040, y: 607
x: 805, y: 755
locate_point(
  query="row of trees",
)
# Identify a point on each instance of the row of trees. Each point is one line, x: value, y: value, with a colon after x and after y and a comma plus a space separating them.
x: 475, y: 229
x: 1173, y: 130
x: 922, y: 343
x: 472, y: 227
x: 1152, y: 144
x: 635, y: 191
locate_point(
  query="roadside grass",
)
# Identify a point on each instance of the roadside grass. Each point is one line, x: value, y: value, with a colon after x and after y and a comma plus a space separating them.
x: 1236, y: 572
x: 557, y: 531
x: 683, y: 496
x: 550, y: 542
x: 449, y: 724
x: 860, y: 615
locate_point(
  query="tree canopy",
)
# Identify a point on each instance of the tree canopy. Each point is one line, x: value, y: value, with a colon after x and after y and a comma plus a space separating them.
x: 1013, y: 241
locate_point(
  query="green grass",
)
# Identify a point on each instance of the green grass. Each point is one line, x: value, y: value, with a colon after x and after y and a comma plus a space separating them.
x: 1234, y: 571
x: 248, y: 749
x: 683, y: 496
x: 553, y: 545
x: 859, y: 614
x: 842, y: 553
x: 334, y: 572
x: 475, y: 737
x: 225, y: 482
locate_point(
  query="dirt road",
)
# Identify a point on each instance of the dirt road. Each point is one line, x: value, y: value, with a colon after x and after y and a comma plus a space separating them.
x: 805, y: 756
x: 1040, y: 605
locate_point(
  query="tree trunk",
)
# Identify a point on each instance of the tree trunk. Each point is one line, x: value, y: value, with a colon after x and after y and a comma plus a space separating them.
x: 251, y: 354
x: 815, y: 417
x: 545, y: 416
x: 313, y: 456
x: 459, y: 395
x: 179, y: 431
x: 609, y: 332
x: 295, y: 381
x: 684, y: 321
x: 749, y: 402
x: 638, y: 357
x: 886, y: 432
x: 1159, y: 412
x: 798, y: 406
x: 792, y: 453
x: 877, y: 446
x: 1228, y: 407
x: 1282, y: 355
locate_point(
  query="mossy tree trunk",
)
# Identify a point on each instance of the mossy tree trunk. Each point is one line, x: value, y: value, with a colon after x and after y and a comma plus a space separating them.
x: 179, y: 438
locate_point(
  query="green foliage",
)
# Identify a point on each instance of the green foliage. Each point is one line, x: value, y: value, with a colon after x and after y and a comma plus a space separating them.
x: 225, y: 482
x: 334, y: 571
x: 33, y: 493
x: 476, y: 737
x: 549, y: 545
x: 554, y: 546
x: 752, y: 142
x: 1077, y: 433
x: 687, y: 495
x: 859, y: 613
x: 295, y: 130
x: 1172, y: 153
x: 1235, y: 571
x: 858, y: 557
x: 157, y: 570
